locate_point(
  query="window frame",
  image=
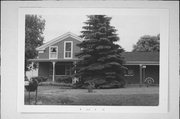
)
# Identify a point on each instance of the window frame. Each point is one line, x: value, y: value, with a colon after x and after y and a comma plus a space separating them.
x: 70, y: 51
x: 70, y: 70
x: 65, y: 69
x: 50, y: 52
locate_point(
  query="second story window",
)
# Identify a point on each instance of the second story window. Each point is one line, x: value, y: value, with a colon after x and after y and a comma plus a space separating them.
x: 68, y: 49
x: 53, y: 52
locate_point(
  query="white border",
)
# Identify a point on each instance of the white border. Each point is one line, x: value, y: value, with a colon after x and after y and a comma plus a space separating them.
x: 164, y: 26
x: 71, y: 49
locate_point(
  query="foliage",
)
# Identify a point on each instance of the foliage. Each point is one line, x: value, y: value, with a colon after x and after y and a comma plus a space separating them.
x: 34, y: 27
x: 147, y: 43
x: 101, y: 57
x: 39, y: 78
x: 66, y: 79
x: 33, y: 84
x: 114, y: 84
x: 101, y: 84
x: 60, y: 85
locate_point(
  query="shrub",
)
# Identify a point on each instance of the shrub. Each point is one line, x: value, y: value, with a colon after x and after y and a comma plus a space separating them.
x: 112, y: 84
x: 85, y: 83
x: 77, y: 85
x: 96, y: 82
x: 80, y: 84
x: 39, y: 79
x: 101, y: 83
x: 62, y: 85
x: 66, y: 79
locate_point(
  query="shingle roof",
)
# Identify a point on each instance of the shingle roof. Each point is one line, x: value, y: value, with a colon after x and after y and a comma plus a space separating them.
x: 141, y: 57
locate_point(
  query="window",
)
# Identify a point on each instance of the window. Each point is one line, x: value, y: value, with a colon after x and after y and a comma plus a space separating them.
x: 129, y: 72
x: 41, y: 51
x: 63, y: 69
x: 53, y: 52
x: 68, y: 70
x: 60, y: 69
x: 68, y: 49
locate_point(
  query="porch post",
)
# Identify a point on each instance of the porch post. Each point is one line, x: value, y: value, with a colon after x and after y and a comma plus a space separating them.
x: 32, y: 64
x: 75, y: 66
x: 140, y: 73
x: 53, y: 77
x: 143, y: 71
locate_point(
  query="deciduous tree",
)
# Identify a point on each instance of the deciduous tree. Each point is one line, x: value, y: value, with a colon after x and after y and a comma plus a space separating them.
x: 147, y: 43
x: 34, y: 27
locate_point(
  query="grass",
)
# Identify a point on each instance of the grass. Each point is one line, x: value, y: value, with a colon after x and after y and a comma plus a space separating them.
x: 130, y: 96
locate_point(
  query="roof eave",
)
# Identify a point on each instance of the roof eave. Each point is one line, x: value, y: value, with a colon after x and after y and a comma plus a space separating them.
x: 141, y: 63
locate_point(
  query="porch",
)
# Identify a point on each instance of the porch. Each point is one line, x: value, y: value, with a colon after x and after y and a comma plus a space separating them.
x: 140, y: 73
x: 55, y: 70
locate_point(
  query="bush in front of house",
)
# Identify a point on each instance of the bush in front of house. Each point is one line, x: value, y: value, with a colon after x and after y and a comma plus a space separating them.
x: 39, y: 78
x: 100, y: 83
x: 65, y: 79
x: 78, y: 85
x: 113, y: 84
x: 61, y: 85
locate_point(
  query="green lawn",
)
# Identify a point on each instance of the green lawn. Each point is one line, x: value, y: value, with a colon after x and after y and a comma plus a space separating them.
x: 130, y: 96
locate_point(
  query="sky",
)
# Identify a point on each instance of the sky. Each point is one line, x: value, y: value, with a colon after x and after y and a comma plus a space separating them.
x: 129, y: 27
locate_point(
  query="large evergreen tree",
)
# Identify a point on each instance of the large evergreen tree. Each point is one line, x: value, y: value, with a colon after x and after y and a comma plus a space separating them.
x: 101, y: 57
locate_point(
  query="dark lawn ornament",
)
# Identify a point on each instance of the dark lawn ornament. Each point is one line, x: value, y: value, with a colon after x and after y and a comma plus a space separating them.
x: 149, y: 81
x: 32, y: 86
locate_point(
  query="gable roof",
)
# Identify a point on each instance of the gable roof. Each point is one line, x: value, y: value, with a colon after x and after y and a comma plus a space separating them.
x: 57, y: 39
x: 141, y: 57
